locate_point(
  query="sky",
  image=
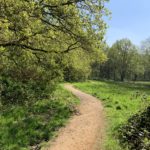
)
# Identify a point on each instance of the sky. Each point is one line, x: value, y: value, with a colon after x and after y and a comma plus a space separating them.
x: 129, y: 19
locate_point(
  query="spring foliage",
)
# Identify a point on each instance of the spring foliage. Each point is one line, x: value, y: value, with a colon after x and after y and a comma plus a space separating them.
x: 41, y: 39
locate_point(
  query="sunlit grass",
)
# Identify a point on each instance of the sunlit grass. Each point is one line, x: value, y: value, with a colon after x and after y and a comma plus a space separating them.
x: 121, y: 100
x: 22, y: 128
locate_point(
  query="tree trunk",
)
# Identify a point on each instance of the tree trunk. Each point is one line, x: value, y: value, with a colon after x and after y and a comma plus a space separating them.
x: 114, y: 76
x: 122, y: 77
x: 135, y: 77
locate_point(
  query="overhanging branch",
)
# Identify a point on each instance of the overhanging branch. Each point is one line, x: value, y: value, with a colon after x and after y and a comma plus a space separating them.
x: 69, y: 2
x: 34, y: 49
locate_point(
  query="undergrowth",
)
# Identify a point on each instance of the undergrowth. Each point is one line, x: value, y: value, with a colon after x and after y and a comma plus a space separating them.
x: 26, y: 127
x: 135, y: 134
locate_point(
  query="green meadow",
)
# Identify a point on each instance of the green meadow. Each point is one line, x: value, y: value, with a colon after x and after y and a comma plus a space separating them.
x: 120, y: 101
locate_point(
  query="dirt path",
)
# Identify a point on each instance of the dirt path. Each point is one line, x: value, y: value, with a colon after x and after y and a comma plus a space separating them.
x: 84, y: 131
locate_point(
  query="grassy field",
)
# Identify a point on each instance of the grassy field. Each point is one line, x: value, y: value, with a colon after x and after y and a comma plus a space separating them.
x: 121, y: 100
x: 24, y: 128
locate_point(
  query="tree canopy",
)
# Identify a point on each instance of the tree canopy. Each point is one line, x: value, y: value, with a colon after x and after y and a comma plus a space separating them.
x: 52, y: 25
x: 41, y: 40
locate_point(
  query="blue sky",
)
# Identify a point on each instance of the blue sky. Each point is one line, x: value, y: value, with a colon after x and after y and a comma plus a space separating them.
x: 130, y: 19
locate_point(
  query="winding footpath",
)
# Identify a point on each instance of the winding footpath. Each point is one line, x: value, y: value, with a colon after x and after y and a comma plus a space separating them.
x: 84, y: 131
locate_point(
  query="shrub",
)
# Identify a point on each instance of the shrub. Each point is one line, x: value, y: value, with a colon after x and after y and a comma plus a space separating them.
x: 17, y: 92
x: 25, y: 79
x: 136, y: 133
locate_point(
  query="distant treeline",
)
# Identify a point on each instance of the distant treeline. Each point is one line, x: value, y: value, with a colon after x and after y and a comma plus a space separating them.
x: 124, y: 61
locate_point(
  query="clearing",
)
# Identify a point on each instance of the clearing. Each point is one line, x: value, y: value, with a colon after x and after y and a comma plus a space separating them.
x: 121, y: 100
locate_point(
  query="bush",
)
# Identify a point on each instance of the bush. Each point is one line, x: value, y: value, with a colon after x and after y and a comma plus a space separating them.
x: 24, y: 78
x: 136, y: 133
x: 17, y: 92
x: 75, y: 74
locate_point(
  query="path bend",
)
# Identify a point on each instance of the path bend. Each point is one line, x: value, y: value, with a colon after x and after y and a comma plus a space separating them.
x: 84, y: 131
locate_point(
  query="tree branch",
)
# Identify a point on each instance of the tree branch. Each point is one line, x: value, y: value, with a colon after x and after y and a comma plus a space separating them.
x: 24, y: 46
x: 71, y: 47
x: 69, y: 2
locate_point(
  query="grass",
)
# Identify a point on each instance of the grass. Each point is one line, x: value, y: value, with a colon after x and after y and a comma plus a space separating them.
x: 24, y: 128
x: 121, y: 100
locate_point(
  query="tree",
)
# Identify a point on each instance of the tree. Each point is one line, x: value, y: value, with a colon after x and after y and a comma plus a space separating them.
x: 124, y: 61
x: 100, y: 67
x: 119, y: 61
x: 38, y: 37
x: 145, y: 52
x: 136, y: 68
x: 123, y: 51
x: 42, y: 25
